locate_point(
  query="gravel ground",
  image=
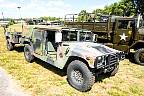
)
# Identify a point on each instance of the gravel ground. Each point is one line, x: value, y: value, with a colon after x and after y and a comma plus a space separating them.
x: 8, y: 87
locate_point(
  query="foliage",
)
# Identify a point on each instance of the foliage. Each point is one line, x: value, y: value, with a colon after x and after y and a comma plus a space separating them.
x: 49, y: 18
x: 139, y: 6
x: 124, y: 7
x: 121, y: 8
x: 11, y: 22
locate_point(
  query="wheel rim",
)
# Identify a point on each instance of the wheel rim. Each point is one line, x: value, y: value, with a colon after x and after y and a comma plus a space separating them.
x: 77, y: 77
x: 141, y: 57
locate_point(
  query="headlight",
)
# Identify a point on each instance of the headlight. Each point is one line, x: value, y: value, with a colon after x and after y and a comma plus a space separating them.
x: 100, y: 61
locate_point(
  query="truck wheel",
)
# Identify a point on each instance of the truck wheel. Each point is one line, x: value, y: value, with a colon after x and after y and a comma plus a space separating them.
x: 114, y: 71
x: 10, y: 46
x: 139, y: 56
x: 79, y: 76
x: 27, y: 53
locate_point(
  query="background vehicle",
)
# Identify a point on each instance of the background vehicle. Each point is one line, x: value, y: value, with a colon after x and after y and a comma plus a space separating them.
x: 121, y: 33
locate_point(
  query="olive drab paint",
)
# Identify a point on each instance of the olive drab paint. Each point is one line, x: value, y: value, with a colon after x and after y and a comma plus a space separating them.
x: 117, y: 32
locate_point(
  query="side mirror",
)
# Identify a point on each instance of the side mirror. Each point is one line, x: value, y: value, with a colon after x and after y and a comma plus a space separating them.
x: 58, y: 37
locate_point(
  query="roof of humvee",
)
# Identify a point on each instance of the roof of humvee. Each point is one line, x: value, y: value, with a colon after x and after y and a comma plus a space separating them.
x: 44, y: 27
x: 56, y: 28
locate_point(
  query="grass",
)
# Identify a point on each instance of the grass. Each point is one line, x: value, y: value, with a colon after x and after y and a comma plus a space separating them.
x: 44, y: 80
x: 15, y: 28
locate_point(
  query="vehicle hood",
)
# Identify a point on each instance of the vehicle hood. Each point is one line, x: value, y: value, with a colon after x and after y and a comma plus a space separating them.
x: 90, y: 48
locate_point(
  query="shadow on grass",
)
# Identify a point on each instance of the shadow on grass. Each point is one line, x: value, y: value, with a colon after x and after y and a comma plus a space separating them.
x: 62, y: 72
x: 50, y: 67
x: 101, y: 77
x: 19, y: 48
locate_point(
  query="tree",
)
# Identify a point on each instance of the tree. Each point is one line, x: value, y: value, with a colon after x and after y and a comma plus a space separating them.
x: 139, y: 6
x: 83, y: 16
x: 49, y: 18
x: 121, y: 8
x: 11, y: 22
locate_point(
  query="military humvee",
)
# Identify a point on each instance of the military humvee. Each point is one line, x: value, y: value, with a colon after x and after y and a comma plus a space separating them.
x: 72, y: 49
x: 121, y: 33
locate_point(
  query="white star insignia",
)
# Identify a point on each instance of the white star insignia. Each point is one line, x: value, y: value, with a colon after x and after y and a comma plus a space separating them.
x: 123, y: 36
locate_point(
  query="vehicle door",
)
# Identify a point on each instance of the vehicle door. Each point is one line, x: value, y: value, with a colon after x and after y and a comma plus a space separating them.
x: 123, y: 34
x: 38, y: 41
x: 51, y: 46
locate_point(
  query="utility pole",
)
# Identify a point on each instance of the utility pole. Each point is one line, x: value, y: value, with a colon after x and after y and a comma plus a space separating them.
x: 19, y: 8
x: 2, y: 16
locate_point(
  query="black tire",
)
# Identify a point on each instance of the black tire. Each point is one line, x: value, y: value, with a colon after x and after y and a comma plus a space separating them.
x: 79, y: 76
x: 114, y: 71
x: 10, y: 46
x: 27, y: 53
x: 139, y: 56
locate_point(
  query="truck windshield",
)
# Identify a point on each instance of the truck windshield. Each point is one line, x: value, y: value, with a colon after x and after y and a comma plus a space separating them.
x: 123, y: 24
x: 86, y: 36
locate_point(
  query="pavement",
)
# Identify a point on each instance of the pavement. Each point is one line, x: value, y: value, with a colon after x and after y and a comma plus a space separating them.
x: 8, y: 87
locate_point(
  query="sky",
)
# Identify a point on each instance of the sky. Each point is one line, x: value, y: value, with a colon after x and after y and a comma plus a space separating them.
x: 57, y: 8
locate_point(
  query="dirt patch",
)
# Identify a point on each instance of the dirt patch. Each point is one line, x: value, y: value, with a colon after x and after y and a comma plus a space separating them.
x: 8, y: 87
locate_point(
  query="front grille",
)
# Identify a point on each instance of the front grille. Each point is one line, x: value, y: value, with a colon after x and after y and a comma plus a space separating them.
x: 109, y: 60
x: 112, y: 59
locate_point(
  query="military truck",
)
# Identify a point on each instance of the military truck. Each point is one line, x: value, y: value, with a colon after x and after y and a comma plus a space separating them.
x: 121, y: 33
x: 72, y: 49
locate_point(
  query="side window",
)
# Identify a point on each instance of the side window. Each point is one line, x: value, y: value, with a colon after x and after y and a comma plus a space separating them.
x: 38, y: 34
x: 38, y: 38
x: 51, y: 36
x: 65, y: 36
x: 123, y: 24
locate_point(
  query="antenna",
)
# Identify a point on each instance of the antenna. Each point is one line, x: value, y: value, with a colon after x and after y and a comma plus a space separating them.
x: 3, y: 16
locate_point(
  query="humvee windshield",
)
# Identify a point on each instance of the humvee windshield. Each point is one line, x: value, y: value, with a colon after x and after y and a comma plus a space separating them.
x: 86, y: 36
x: 83, y: 36
x: 69, y: 35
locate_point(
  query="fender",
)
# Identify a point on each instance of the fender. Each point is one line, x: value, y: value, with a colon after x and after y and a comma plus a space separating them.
x: 87, y: 60
x: 138, y: 44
